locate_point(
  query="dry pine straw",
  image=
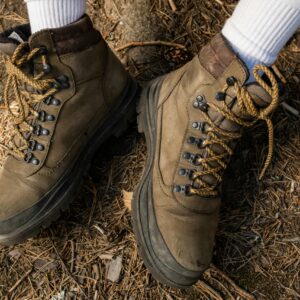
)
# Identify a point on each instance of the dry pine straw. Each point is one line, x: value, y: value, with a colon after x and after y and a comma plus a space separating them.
x: 258, y: 243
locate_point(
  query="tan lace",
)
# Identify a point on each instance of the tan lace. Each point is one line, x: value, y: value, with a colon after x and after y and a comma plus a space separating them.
x: 221, y: 137
x: 25, y: 100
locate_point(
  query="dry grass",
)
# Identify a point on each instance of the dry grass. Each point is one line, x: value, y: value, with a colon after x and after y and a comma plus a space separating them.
x: 258, y: 243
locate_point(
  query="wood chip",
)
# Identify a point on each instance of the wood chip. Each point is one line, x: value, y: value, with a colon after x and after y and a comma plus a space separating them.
x: 127, y: 198
x: 15, y: 254
x: 114, y: 269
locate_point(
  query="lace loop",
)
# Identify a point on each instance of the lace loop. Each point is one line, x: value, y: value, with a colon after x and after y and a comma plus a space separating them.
x: 25, y: 100
x: 221, y: 137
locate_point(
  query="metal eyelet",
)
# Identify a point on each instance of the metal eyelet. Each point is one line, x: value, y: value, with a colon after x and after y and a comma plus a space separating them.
x: 63, y: 82
x: 199, y: 142
x: 183, y: 189
x: 231, y: 81
x: 34, y: 145
x: 30, y: 159
x: 186, y: 155
x: 48, y: 100
x: 182, y: 172
x: 45, y: 132
x: 43, y: 50
x: 191, y: 140
x: 43, y: 117
x: 38, y: 130
x: 201, y: 103
x: 35, y: 161
x: 192, y: 158
x: 196, y: 104
x: 220, y: 96
x: 47, y: 68
x: 52, y: 101
x: 40, y: 147
x: 50, y: 118
x: 57, y: 85
x: 199, y: 126
x: 27, y: 157
x: 186, y: 173
x: 55, y: 102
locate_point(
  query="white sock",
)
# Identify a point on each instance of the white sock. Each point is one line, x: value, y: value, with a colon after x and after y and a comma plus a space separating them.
x: 259, y: 29
x: 48, y: 14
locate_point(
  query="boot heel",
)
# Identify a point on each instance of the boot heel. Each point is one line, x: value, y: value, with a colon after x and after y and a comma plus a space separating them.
x: 128, y: 115
x: 141, y: 110
x: 146, y: 106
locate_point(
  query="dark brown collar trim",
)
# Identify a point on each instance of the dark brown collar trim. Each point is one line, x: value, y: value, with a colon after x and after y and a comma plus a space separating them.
x: 75, y: 37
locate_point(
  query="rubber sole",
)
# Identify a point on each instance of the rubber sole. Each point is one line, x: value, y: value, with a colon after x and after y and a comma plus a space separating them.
x: 58, y: 199
x: 157, y: 258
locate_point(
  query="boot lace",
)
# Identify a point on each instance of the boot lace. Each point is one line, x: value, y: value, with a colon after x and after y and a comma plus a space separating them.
x: 26, y: 100
x: 218, y: 136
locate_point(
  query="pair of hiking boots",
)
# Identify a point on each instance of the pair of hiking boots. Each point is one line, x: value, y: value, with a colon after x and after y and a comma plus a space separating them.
x: 66, y: 93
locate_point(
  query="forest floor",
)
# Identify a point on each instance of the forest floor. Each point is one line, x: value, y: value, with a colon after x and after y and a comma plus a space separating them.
x: 257, y: 254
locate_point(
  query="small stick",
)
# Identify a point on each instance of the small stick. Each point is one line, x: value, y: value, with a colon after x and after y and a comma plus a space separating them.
x: 208, y: 290
x: 240, y: 291
x: 279, y: 74
x: 211, y: 278
x: 150, y: 43
x: 67, y: 270
x: 72, y: 257
x: 20, y: 280
x: 290, y: 109
x: 173, y: 5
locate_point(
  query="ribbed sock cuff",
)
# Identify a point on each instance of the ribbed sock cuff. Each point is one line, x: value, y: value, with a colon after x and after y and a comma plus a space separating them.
x: 259, y: 29
x: 45, y: 14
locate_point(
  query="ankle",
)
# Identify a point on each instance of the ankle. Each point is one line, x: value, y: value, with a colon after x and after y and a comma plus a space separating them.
x: 50, y: 14
x: 258, y: 30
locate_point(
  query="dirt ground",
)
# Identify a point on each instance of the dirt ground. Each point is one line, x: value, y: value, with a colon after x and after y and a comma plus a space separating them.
x: 258, y: 242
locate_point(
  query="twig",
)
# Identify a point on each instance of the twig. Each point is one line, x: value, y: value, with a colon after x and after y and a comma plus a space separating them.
x: 72, y: 256
x: 150, y: 43
x: 208, y: 290
x: 290, y: 109
x: 218, y: 283
x: 20, y: 280
x: 173, y: 5
x: 279, y: 74
x: 67, y: 270
x: 239, y: 290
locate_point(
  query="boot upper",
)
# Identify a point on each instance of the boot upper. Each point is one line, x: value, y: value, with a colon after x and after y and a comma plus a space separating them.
x: 199, y: 118
x: 87, y: 81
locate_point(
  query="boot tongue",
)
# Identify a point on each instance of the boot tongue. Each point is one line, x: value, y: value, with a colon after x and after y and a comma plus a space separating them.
x: 10, y: 39
x: 259, y: 95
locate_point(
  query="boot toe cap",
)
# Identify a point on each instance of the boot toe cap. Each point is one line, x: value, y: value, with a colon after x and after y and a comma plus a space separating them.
x: 17, y: 201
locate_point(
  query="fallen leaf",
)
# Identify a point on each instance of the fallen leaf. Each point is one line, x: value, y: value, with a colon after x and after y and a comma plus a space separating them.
x: 44, y: 265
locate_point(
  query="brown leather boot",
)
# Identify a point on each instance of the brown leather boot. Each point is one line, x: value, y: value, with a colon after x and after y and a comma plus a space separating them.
x: 192, y: 119
x: 71, y: 94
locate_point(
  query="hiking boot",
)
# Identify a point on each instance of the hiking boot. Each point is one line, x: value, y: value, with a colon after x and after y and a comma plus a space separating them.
x: 65, y: 94
x: 192, y: 120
